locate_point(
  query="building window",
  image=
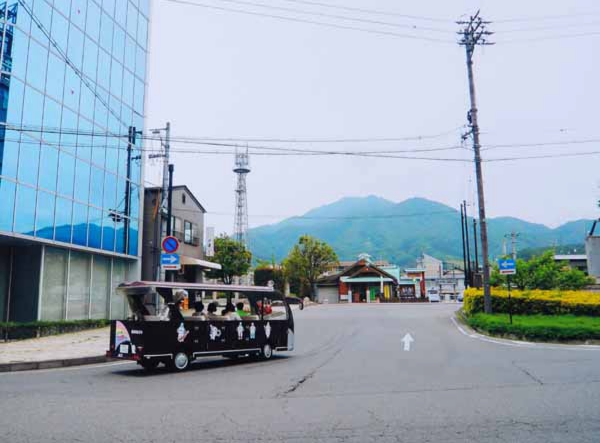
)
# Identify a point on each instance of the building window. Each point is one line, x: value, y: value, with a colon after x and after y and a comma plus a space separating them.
x: 190, y: 236
x: 177, y: 228
x: 183, y: 199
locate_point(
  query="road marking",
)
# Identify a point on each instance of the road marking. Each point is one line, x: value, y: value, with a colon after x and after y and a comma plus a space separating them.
x: 407, y: 340
x: 523, y: 344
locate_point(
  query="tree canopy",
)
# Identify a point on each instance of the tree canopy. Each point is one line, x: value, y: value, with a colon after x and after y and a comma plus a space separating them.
x: 233, y: 257
x: 543, y: 272
x: 307, y: 260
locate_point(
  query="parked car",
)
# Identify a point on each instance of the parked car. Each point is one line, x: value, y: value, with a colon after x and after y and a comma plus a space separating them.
x: 433, y: 295
x: 460, y: 296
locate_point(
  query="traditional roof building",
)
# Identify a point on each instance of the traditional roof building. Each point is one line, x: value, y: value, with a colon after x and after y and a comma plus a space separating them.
x: 363, y: 281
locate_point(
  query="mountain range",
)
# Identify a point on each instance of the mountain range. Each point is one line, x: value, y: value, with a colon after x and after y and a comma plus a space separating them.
x: 400, y: 232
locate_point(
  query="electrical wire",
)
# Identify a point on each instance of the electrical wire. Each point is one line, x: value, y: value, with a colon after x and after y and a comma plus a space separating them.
x: 547, y: 17
x: 323, y: 140
x: 337, y: 17
x: 549, y: 37
x: 371, y: 154
x: 312, y: 22
x: 372, y: 11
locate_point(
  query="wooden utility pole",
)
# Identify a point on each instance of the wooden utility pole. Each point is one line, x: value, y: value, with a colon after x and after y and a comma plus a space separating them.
x: 474, y: 34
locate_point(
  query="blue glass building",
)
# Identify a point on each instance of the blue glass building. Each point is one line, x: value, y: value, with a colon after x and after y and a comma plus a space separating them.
x: 72, y: 87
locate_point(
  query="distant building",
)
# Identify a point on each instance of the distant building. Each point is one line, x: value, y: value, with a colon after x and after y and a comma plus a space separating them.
x: 575, y: 261
x: 362, y: 282
x: 446, y: 278
x: 187, y: 224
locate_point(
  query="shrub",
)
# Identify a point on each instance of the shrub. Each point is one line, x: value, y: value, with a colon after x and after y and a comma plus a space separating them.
x: 530, y: 302
x: 16, y: 331
x: 538, y: 327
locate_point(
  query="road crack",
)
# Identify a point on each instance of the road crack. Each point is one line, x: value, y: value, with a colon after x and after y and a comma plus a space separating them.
x: 312, y: 373
x: 529, y: 374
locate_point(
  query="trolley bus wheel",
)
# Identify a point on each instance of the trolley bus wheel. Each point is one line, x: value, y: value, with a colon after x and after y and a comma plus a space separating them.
x: 180, y: 362
x: 149, y: 365
x: 267, y: 352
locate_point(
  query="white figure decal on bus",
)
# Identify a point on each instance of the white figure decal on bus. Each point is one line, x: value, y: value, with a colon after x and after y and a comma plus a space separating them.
x: 182, y: 333
x: 240, y: 331
x: 252, y: 331
x: 268, y: 329
x: 213, y: 332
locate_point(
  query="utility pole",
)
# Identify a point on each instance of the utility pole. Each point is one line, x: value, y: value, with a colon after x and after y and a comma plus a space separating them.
x: 513, y: 243
x: 165, y: 186
x: 171, y: 167
x: 469, y: 273
x: 475, y: 243
x: 462, y: 226
x: 474, y: 34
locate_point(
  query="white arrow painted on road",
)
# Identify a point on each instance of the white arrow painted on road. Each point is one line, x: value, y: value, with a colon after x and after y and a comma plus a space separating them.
x: 407, y: 340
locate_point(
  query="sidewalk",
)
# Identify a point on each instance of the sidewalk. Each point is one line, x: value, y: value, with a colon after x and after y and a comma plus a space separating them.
x: 77, y: 348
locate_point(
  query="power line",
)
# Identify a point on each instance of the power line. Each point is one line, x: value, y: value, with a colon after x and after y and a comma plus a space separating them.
x: 547, y: 17
x: 312, y: 22
x: 543, y: 156
x: 337, y: 17
x: 289, y: 151
x: 324, y: 140
x: 550, y: 37
x: 354, y: 217
x: 371, y: 11
x: 548, y: 28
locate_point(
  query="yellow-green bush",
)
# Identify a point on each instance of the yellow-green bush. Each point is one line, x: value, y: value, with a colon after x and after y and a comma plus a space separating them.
x: 536, y: 301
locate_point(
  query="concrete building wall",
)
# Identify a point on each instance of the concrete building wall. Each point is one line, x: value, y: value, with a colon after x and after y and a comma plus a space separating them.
x: 184, y: 208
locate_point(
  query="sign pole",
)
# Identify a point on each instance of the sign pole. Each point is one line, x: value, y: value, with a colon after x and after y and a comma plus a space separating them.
x: 509, y: 301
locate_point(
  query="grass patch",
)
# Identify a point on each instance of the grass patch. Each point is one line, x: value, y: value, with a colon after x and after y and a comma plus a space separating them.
x: 557, y: 328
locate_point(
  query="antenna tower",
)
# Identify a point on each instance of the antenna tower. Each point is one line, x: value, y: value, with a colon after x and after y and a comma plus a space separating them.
x: 242, y: 168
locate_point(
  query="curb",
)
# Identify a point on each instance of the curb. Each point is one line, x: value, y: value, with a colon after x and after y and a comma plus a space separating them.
x: 468, y: 331
x: 52, y: 364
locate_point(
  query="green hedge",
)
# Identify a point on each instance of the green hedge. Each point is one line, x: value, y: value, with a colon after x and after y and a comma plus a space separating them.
x: 17, y: 331
x: 538, y: 327
x: 536, y: 302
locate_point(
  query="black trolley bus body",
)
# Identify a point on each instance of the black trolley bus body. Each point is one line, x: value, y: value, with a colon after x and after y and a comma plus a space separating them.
x: 176, y: 341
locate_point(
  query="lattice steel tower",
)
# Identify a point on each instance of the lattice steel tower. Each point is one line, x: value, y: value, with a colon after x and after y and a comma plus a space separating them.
x: 242, y: 168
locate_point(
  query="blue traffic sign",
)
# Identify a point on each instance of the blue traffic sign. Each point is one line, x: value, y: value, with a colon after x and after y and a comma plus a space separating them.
x: 170, y: 261
x: 507, y: 266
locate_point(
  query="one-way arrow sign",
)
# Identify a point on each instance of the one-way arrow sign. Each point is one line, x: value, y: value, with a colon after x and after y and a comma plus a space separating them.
x: 407, y: 340
x: 507, y: 266
x: 170, y: 262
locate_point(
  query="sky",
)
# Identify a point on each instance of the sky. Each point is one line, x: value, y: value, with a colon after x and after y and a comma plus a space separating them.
x: 217, y: 73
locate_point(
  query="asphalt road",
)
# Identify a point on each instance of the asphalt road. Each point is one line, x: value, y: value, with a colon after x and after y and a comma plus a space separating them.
x: 349, y: 380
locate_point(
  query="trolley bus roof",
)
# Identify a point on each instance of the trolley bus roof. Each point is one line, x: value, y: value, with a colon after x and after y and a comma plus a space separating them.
x: 195, y: 286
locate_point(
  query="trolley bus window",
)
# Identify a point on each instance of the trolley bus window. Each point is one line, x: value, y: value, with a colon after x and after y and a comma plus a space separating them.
x: 275, y: 310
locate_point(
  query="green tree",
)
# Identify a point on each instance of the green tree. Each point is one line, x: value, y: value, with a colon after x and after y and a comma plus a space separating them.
x: 233, y: 257
x: 543, y: 272
x: 307, y: 260
x: 264, y: 274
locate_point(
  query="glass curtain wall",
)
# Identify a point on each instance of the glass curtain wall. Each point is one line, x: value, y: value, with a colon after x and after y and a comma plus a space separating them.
x: 72, y: 83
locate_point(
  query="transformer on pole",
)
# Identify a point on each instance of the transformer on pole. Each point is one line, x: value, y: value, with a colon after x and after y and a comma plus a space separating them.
x: 242, y: 168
